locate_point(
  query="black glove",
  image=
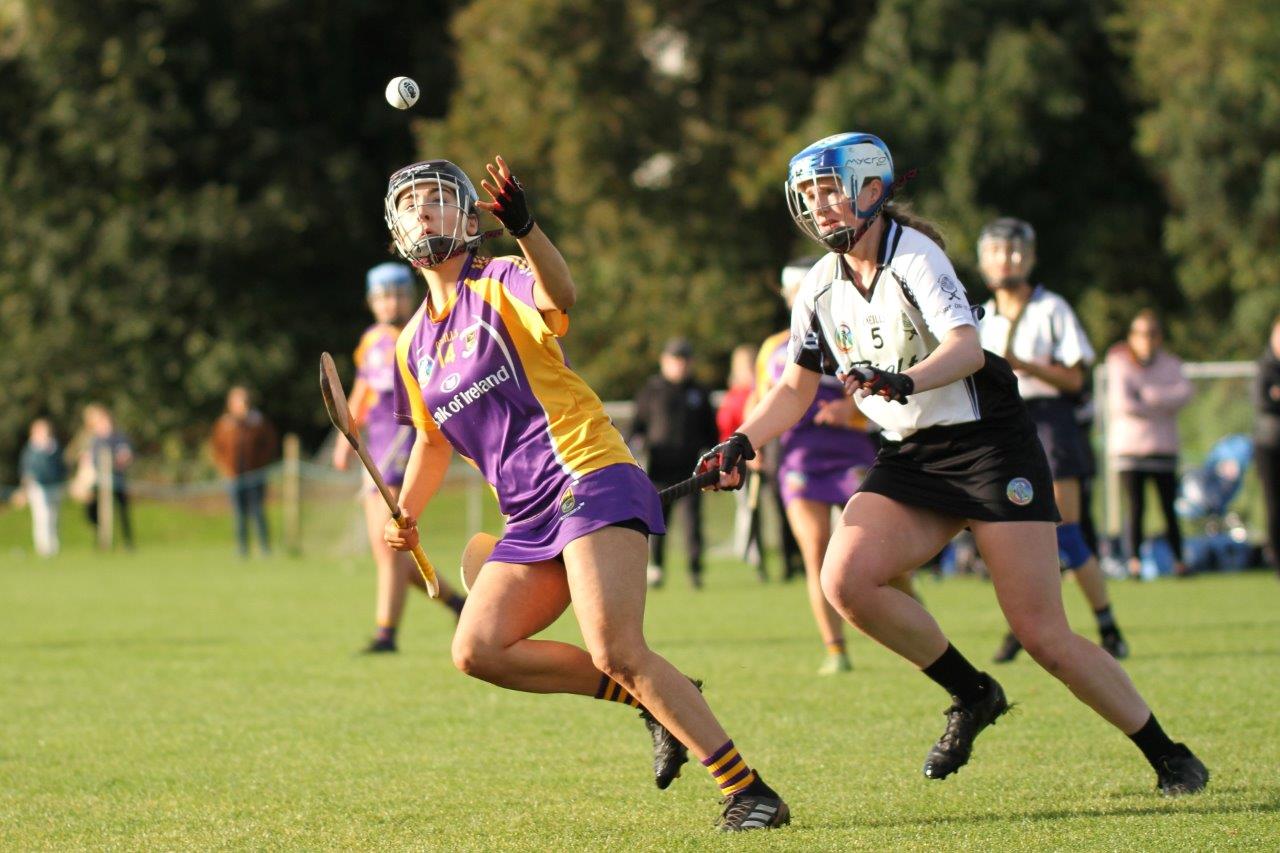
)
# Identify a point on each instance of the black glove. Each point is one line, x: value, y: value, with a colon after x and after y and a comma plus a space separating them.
x: 730, y: 455
x: 896, y: 387
x: 511, y: 207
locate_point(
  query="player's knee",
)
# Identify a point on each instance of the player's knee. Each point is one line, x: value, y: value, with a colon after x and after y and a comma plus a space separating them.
x: 1072, y: 549
x: 618, y: 660
x: 474, y: 657
x: 1047, y: 646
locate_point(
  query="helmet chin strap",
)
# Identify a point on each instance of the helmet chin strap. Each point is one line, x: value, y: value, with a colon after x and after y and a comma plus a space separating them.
x: 427, y: 263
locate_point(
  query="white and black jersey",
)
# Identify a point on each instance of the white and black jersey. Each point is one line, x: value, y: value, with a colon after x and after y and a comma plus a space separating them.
x: 913, y: 301
x: 1046, y: 332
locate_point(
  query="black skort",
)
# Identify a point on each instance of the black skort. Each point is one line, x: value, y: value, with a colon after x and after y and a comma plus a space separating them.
x: 1070, y: 456
x: 984, y: 471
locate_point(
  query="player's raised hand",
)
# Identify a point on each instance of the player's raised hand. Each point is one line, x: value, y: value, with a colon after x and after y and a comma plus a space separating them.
x: 731, y: 457
x: 866, y: 381
x: 510, y: 206
x: 401, y: 538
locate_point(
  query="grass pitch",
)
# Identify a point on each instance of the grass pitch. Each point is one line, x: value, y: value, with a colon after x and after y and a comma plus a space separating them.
x: 179, y: 698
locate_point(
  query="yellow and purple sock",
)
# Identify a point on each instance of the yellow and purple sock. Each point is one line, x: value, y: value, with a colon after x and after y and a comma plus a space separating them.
x: 729, y: 769
x: 611, y: 691
x: 835, y: 647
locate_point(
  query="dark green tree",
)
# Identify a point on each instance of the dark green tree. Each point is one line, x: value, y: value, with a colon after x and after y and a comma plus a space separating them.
x: 1011, y: 108
x: 1210, y: 71
x: 191, y: 194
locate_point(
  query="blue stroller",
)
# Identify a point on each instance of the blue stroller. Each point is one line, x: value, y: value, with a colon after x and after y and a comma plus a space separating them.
x: 1205, y: 494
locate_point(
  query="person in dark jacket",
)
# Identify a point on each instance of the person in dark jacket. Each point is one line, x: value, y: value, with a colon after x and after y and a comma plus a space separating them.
x: 43, y: 473
x: 1266, y: 438
x: 244, y: 444
x: 675, y: 422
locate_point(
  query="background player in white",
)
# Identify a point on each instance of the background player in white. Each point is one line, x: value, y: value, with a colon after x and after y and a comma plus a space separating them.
x: 1042, y: 339
x: 885, y: 311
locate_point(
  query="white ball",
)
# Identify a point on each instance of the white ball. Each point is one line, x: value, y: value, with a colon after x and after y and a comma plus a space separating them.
x: 402, y: 93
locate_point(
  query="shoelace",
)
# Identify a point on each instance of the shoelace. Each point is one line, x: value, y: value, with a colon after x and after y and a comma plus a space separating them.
x: 737, y: 811
x: 955, y: 714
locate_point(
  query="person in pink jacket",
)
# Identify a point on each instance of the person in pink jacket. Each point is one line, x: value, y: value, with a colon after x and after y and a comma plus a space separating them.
x: 1146, y: 388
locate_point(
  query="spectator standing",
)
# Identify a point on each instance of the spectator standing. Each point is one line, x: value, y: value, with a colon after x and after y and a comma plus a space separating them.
x: 100, y: 428
x: 1146, y: 388
x: 244, y: 444
x: 43, y: 472
x: 1266, y: 438
x: 675, y: 423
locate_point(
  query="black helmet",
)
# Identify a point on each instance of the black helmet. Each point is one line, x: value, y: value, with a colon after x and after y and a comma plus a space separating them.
x: 432, y: 249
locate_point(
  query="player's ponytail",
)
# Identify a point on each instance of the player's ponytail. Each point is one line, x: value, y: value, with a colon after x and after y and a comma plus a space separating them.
x: 897, y: 212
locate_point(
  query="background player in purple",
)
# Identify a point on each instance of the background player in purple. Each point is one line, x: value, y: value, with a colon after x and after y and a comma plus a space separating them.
x: 389, y: 288
x: 479, y: 368
x: 822, y: 459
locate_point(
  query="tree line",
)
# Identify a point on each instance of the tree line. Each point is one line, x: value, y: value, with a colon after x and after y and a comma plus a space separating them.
x: 192, y: 191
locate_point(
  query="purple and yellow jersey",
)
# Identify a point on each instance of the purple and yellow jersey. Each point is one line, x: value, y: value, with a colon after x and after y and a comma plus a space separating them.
x: 488, y: 372
x: 375, y: 360
x: 808, y: 443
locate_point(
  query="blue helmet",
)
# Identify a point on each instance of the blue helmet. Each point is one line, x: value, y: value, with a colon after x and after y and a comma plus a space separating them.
x: 852, y: 159
x: 388, y: 278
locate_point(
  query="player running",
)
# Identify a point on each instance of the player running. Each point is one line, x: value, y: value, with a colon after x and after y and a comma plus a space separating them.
x: 885, y: 311
x: 480, y: 369
x: 1036, y: 331
x: 389, y: 289
x: 822, y: 459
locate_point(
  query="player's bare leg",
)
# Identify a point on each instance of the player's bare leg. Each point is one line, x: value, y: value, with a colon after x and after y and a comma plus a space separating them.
x: 1083, y: 565
x: 606, y: 574
x: 811, y: 523
x: 392, y: 580
x: 877, y: 541
x: 507, y: 605
x: 1020, y: 557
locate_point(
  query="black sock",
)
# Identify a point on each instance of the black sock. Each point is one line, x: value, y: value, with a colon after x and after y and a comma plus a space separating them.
x: 1106, y: 621
x: 1152, y: 740
x: 386, y: 633
x: 455, y: 603
x: 957, y: 676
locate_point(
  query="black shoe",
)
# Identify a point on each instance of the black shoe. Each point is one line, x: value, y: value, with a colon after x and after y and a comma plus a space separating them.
x: 695, y: 580
x: 964, y: 723
x: 1114, y: 643
x: 1008, y: 649
x: 669, y: 754
x: 1181, y: 773
x: 377, y: 647
x: 755, y: 807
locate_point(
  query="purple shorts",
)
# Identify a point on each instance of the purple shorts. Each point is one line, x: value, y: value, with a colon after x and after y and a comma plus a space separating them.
x: 612, y: 494
x: 828, y: 485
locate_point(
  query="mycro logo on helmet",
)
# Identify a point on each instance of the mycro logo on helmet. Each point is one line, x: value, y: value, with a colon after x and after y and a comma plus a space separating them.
x: 874, y: 160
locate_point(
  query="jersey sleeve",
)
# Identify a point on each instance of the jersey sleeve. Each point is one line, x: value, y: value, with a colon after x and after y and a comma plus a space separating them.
x: 1071, y: 344
x: 807, y: 347
x: 937, y: 292
x: 407, y: 406
x: 519, y: 281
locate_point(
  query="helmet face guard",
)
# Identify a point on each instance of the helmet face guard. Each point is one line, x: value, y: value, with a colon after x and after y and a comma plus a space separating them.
x: 431, y: 185
x: 1021, y: 239
x: 848, y: 161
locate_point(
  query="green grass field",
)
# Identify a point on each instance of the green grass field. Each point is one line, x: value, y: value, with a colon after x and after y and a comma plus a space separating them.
x: 179, y: 698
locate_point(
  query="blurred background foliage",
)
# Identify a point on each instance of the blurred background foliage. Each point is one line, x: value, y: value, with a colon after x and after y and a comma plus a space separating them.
x: 190, y: 192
